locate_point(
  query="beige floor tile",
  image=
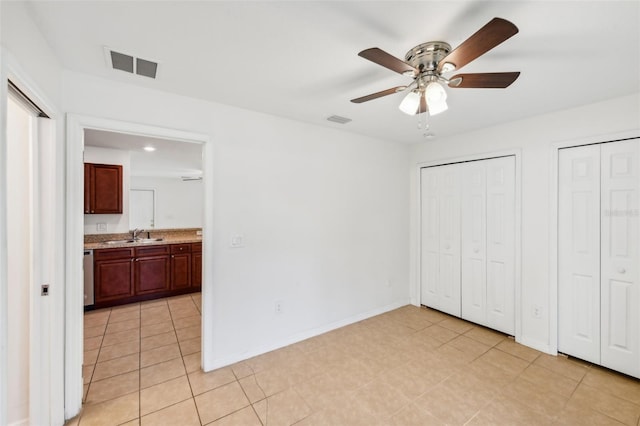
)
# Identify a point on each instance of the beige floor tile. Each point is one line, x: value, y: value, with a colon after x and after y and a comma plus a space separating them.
x: 90, y: 357
x: 121, y: 337
x: 184, y: 312
x: 113, y: 387
x: 113, y: 412
x: 161, y: 354
x: 536, y: 397
x: 506, y: 411
x: 187, y: 333
x: 122, y: 326
x: 588, y: 397
x: 96, y: 318
x: 468, y: 346
x: 183, y: 413
x: 119, y: 350
x: 152, y: 342
x: 617, y: 384
x: 503, y: 360
x: 511, y: 347
x: 126, y: 308
x: 116, y: 366
x: 244, y: 417
x: 438, y: 333
x: 183, y: 322
x: 548, y: 381
x: 486, y: 336
x: 153, y: 304
x: 192, y: 362
x: 148, y: 320
x: 411, y: 382
x: 412, y: 415
x: 285, y: 408
x: 381, y: 399
x: 87, y: 373
x: 91, y: 343
x: 220, y: 402
x: 571, y: 368
x: 162, y: 395
x: 188, y: 347
x: 155, y: 310
x: 118, y: 316
x: 161, y: 372
x: 455, y: 324
x: 202, y: 382
x: 242, y: 369
x: 152, y: 330
x: 134, y: 422
x: 583, y: 416
x: 94, y: 331
x: 252, y: 389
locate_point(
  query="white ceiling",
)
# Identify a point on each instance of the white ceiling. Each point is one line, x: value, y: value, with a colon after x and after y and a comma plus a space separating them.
x: 298, y: 59
x: 170, y: 159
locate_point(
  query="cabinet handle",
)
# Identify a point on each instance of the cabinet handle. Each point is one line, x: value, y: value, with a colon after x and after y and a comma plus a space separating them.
x: 172, y: 256
x: 132, y: 260
x: 621, y: 270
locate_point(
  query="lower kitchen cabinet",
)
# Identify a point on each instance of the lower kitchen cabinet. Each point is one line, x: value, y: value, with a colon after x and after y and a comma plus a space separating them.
x: 127, y: 275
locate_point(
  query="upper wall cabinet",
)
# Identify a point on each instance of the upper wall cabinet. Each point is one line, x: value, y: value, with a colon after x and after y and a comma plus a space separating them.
x: 102, y: 189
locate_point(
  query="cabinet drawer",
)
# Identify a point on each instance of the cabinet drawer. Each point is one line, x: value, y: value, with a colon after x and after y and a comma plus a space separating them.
x: 196, y: 247
x: 152, y: 250
x: 180, y: 248
x: 116, y: 253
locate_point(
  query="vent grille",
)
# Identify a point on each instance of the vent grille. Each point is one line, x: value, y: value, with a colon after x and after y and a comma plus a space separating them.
x: 131, y: 64
x: 339, y: 119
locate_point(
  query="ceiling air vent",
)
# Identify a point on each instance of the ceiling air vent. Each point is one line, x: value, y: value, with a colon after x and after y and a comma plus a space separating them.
x: 131, y: 64
x: 338, y: 119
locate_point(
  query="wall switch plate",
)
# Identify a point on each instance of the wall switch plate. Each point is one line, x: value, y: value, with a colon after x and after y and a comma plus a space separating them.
x: 278, y: 307
x: 101, y: 227
x: 536, y: 312
x: 237, y: 241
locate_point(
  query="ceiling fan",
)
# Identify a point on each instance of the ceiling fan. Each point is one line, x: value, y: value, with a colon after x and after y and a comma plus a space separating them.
x: 427, y: 62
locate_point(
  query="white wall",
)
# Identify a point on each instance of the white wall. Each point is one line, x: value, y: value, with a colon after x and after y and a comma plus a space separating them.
x: 534, y: 137
x: 324, y: 215
x: 115, y: 223
x: 178, y: 203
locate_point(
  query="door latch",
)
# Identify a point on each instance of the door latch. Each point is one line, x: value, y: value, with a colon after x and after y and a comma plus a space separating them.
x: 45, y: 290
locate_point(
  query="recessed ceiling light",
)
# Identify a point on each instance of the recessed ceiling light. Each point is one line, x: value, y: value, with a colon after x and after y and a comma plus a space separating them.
x: 149, y: 148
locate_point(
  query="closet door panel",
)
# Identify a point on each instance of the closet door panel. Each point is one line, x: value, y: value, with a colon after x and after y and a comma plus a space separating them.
x: 474, y: 218
x: 500, y: 247
x: 449, y: 282
x: 620, y: 256
x: 579, y: 252
x: 430, y: 237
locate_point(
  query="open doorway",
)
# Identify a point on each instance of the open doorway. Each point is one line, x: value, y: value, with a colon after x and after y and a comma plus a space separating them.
x: 81, y: 132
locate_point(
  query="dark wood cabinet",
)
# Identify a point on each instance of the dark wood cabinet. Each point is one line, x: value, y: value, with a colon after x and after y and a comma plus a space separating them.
x: 125, y: 275
x: 180, y: 266
x: 102, y: 188
x: 196, y: 265
x: 113, y: 274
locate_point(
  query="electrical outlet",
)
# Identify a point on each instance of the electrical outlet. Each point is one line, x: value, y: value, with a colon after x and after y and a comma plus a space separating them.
x: 536, y: 311
x: 237, y: 241
x: 278, y: 307
x: 101, y: 227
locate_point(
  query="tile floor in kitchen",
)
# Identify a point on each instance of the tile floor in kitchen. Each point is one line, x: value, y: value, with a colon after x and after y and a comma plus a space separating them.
x: 410, y: 366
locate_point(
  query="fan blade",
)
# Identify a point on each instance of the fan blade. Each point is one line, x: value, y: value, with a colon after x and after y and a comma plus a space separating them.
x: 381, y: 57
x: 423, y: 105
x: 488, y: 80
x: 485, y: 39
x: 378, y: 94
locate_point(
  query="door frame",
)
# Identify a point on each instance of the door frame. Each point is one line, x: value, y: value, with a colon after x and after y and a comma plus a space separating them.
x: 554, y: 219
x: 417, y: 222
x: 46, y: 317
x: 74, y: 306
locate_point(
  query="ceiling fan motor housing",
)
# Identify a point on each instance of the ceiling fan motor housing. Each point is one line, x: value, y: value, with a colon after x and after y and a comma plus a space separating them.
x: 426, y: 56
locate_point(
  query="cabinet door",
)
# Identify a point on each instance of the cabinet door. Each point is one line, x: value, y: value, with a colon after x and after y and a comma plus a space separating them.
x: 440, y: 238
x: 196, y: 269
x: 152, y: 274
x: 620, y: 256
x: 579, y: 252
x: 113, y: 279
x: 474, y: 255
x: 105, y: 188
x: 180, y: 270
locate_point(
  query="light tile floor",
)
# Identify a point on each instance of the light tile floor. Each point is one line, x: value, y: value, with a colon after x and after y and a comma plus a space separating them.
x: 411, y: 366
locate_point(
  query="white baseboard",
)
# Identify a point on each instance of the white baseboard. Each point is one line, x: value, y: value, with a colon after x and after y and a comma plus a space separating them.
x: 232, y: 359
x: 23, y: 422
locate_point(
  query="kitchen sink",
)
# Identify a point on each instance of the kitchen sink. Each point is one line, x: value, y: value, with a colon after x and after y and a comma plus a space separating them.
x: 130, y: 241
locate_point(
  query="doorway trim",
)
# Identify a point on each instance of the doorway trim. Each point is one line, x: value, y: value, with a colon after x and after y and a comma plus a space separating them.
x: 554, y: 219
x: 76, y: 124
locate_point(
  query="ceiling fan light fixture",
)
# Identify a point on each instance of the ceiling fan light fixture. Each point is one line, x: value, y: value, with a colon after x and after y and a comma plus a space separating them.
x: 448, y: 67
x: 410, y: 103
x: 436, y: 98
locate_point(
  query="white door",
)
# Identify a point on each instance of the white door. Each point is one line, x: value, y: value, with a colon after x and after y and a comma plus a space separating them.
x: 440, y: 264
x: 474, y: 253
x: 500, y: 249
x: 142, y: 209
x: 579, y: 252
x: 620, y: 256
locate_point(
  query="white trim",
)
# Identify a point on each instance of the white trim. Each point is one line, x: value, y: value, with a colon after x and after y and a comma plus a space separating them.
x: 417, y: 225
x: 75, y: 240
x: 45, y: 365
x: 553, y: 221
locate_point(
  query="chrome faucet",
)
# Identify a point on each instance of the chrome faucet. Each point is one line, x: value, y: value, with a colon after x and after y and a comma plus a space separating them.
x: 136, y: 232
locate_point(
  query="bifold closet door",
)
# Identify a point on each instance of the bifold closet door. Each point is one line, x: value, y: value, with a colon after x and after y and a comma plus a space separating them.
x: 488, y: 243
x: 620, y: 256
x: 440, y: 239
x: 579, y: 252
